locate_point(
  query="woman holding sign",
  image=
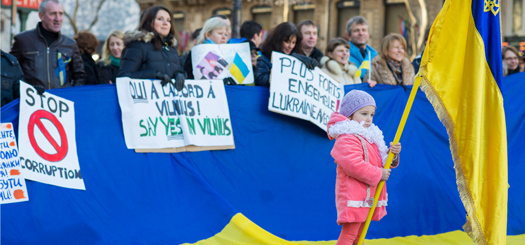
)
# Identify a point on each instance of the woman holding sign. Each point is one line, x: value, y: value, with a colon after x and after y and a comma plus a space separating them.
x: 283, y: 38
x: 215, y: 31
x: 150, y: 52
x: 391, y: 67
x: 336, y: 63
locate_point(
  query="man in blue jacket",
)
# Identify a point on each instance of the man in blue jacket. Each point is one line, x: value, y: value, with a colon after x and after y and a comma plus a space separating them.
x: 361, y: 54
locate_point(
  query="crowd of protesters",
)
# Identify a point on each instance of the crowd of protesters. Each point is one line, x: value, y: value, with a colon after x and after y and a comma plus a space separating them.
x: 46, y: 59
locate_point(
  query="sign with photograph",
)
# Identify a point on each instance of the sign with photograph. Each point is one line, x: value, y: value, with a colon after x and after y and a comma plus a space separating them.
x: 217, y: 61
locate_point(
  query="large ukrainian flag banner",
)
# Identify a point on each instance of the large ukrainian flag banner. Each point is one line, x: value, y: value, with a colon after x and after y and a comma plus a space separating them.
x: 461, y: 76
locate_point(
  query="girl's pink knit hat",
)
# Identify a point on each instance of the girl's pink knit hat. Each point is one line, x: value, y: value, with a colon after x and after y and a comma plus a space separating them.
x: 355, y: 100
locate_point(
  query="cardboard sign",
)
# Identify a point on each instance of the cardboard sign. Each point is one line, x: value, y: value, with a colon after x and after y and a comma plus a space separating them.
x: 299, y: 92
x: 157, y: 117
x: 217, y: 61
x: 48, y: 149
x: 12, y: 184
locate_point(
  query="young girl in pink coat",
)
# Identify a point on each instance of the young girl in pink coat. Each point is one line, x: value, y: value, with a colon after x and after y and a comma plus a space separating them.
x: 360, y: 153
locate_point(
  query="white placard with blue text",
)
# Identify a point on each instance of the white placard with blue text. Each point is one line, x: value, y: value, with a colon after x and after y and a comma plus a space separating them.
x: 160, y: 117
x: 296, y: 91
x: 47, y: 141
x: 12, y: 184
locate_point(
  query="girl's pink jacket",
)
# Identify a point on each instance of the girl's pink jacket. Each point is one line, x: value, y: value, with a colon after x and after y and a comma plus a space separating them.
x: 353, y: 176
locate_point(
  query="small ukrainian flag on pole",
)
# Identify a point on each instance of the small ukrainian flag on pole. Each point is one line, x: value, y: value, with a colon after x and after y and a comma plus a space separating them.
x: 238, y: 69
x: 362, y: 69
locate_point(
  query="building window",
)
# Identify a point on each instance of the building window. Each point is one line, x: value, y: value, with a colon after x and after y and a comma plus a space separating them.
x: 304, y: 11
x: 263, y: 16
x: 346, y: 9
x: 178, y: 19
x: 396, y: 15
x: 397, y: 21
x: 517, y: 18
x: 223, y: 11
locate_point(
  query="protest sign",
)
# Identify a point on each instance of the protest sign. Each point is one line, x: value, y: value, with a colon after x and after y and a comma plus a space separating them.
x: 160, y: 117
x: 217, y: 61
x: 48, y: 149
x: 299, y: 92
x: 12, y: 184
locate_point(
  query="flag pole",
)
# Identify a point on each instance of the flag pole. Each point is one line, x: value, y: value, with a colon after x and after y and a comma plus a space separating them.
x: 390, y: 156
x: 369, y: 66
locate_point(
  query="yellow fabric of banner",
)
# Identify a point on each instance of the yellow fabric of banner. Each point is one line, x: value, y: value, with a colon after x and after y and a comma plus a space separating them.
x: 449, y: 238
x: 459, y: 83
x: 241, y: 230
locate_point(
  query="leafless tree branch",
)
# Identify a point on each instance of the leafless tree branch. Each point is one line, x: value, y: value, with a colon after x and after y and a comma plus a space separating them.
x: 75, y: 11
x: 96, y: 14
x: 72, y: 22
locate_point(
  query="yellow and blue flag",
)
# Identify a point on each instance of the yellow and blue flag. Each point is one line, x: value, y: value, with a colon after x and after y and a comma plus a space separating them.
x: 461, y: 74
x: 363, y: 62
x: 60, y: 71
x: 361, y: 71
x: 238, y: 69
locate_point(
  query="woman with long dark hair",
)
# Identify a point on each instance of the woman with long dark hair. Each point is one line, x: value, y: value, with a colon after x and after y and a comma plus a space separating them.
x: 283, y: 38
x: 150, y: 51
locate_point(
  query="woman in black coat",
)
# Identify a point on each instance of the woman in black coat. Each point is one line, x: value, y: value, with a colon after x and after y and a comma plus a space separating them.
x: 109, y: 64
x: 151, y: 51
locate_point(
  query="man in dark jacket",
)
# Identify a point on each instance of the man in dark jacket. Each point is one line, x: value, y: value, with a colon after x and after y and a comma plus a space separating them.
x: 308, y: 31
x: 11, y: 76
x: 250, y: 31
x: 49, y: 59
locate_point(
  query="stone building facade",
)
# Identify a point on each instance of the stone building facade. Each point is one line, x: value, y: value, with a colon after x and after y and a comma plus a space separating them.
x: 329, y: 15
x: 384, y: 16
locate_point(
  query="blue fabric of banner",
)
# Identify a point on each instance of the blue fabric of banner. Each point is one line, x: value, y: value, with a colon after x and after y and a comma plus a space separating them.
x: 486, y: 15
x: 280, y: 175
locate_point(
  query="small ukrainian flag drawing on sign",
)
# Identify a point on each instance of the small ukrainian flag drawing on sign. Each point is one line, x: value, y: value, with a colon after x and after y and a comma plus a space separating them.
x: 238, y: 69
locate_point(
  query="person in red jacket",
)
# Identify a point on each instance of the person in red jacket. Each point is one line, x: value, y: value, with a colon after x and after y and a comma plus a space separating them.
x: 360, y: 154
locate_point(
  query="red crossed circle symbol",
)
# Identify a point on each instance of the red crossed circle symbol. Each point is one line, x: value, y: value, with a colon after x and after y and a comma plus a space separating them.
x: 35, y: 120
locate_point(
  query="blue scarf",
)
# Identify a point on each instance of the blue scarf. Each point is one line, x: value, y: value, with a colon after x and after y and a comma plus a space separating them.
x: 208, y: 41
x: 238, y: 40
x: 357, y: 58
